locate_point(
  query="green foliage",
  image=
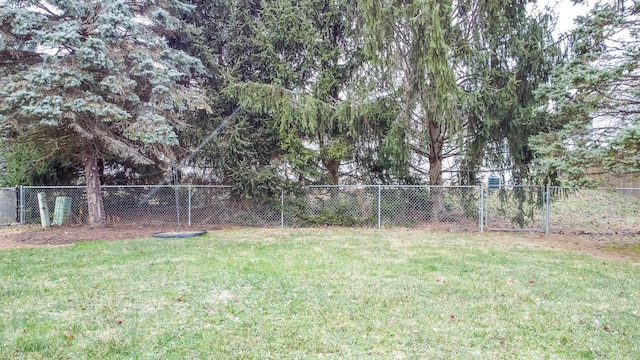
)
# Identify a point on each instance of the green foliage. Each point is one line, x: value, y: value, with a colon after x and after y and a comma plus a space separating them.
x: 312, y: 53
x: 564, y: 156
x: 593, y: 99
x: 259, y: 185
x: 337, y: 150
x: 501, y: 102
x: 465, y: 85
x: 102, y: 74
x: 413, y: 45
x: 25, y: 164
x: 331, y: 212
x: 223, y: 37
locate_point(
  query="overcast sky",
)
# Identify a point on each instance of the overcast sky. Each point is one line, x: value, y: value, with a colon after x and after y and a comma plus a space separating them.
x: 567, y: 12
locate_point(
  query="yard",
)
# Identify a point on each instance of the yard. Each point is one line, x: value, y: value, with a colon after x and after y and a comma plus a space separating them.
x: 318, y: 293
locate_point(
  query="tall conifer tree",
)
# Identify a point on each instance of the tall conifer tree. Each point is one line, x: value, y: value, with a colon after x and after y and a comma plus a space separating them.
x: 463, y: 74
x: 593, y: 100
x: 100, y: 72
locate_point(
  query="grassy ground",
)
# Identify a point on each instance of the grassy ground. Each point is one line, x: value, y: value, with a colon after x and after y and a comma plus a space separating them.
x: 598, y: 211
x: 323, y: 293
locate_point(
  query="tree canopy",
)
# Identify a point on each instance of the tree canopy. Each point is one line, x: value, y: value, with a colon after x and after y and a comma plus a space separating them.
x: 96, y: 78
x: 593, y: 100
x: 314, y: 91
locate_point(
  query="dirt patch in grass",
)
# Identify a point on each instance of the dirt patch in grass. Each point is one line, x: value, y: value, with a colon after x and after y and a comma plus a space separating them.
x: 617, y: 247
x: 34, y: 235
x: 612, y: 247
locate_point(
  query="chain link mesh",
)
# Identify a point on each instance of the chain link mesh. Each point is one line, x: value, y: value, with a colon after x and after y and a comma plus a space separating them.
x: 160, y: 205
x: 595, y: 211
x: 515, y: 208
x: 430, y: 206
x: 30, y: 206
x: 607, y: 211
x: 332, y: 205
x: 218, y: 206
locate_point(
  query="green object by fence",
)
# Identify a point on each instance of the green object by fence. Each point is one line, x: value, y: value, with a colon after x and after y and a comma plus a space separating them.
x: 62, y: 210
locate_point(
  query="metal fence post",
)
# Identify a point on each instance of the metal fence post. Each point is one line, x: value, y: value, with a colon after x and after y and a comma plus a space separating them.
x: 177, y: 189
x: 547, y: 225
x: 282, y: 208
x: 189, y: 207
x: 17, y: 212
x: 481, y: 188
x: 379, y: 205
x: 22, y: 205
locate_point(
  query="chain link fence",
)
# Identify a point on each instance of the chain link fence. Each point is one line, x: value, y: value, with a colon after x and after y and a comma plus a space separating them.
x: 511, y: 208
x: 594, y: 211
x: 452, y: 208
x: 156, y: 205
x: 368, y: 206
x: 468, y: 208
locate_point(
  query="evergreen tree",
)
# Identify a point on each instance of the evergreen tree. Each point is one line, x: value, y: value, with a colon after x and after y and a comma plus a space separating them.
x: 463, y: 75
x: 594, y: 99
x: 313, y: 54
x: 409, y: 45
x: 100, y: 72
x: 245, y: 151
x: 506, y: 59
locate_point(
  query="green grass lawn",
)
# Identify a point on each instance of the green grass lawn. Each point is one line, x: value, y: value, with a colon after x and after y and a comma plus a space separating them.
x: 319, y: 293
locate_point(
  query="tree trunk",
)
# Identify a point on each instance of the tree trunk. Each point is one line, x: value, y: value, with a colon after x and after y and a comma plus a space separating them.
x: 333, y: 166
x: 95, y: 205
x: 436, y: 143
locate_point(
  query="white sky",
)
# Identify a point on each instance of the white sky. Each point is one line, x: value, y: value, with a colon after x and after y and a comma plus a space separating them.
x: 566, y: 12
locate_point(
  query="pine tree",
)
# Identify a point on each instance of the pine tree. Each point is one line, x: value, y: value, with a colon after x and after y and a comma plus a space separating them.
x: 312, y: 56
x: 100, y: 72
x: 508, y: 57
x: 593, y: 99
x: 463, y: 75
x: 245, y: 152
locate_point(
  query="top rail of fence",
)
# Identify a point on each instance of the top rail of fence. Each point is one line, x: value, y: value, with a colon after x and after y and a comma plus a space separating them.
x: 128, y: 186
x: 598, y: 188
x: 347, y: 186
x: 229, y: 186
